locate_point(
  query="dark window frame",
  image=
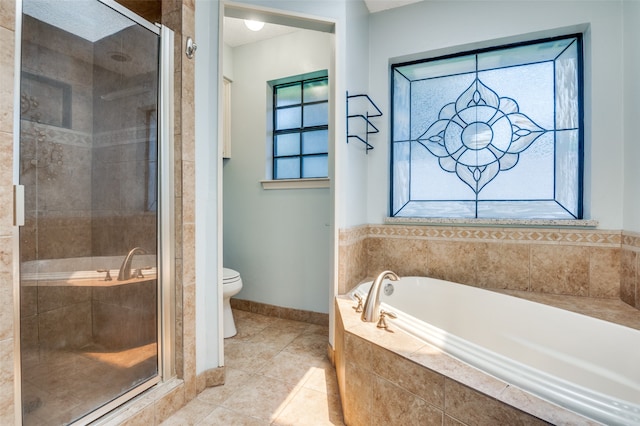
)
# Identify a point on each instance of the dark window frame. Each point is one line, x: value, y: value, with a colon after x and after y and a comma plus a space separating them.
x: 579, y: 39
x: 296, y: 130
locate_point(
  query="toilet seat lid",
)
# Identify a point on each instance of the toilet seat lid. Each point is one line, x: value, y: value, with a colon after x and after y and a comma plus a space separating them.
x: 229, y: 275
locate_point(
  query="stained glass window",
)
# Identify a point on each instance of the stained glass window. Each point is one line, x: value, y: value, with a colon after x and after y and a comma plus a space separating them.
x: 493, y: 133
x: 301, y: 123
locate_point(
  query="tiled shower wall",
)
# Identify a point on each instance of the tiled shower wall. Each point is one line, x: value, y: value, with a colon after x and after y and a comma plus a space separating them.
x: 85, y: 180
x: 578, y: 262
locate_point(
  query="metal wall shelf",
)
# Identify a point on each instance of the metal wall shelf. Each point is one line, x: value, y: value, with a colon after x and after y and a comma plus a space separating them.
x: 368, y: 127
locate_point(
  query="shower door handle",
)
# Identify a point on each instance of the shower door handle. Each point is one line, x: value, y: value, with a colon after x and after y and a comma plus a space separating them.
x: 18, y: 205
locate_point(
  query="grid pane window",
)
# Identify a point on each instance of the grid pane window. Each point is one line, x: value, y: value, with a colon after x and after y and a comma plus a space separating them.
x: 495, y: 133
x: 301, y: 123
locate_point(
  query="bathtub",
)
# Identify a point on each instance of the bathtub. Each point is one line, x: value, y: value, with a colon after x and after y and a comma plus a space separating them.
x: 584, y: 364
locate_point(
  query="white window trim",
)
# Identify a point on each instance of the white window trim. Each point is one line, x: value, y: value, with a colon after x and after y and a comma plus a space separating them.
x: 306, y: 183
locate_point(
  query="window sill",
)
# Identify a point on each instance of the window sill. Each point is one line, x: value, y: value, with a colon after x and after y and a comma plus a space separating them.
x: 555, y: 223
x: 296, y: 183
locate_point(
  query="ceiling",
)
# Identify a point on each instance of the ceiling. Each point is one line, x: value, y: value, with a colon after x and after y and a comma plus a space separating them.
x: 378, y: 5
x: 237, y: 34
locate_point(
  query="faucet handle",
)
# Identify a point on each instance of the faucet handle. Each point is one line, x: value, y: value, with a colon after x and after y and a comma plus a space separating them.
x: 382, y: 323
x: 358, y: 308
x: 108, y: 276
x: 138, y: 272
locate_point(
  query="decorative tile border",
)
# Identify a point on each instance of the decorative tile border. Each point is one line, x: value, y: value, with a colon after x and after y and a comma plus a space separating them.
x: 631, y: 240
x: 353, y: 235
x: 582, y: 237
x: 46, y: 133
x: 121, y: 136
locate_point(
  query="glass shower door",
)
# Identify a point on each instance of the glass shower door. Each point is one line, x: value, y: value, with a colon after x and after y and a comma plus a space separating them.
x: 88, y: 249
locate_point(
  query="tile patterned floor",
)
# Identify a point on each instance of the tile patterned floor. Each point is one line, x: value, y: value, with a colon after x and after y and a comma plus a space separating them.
x: 277, y: 373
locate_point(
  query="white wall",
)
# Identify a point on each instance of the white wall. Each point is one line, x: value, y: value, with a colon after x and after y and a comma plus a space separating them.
x: 279, y: 240
x: 441, y: 26
x: 353, y: 161
x: 631, y: 13
x: 208, y: 300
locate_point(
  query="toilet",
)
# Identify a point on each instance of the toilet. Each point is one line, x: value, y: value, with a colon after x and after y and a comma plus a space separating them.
x: 231, y: 285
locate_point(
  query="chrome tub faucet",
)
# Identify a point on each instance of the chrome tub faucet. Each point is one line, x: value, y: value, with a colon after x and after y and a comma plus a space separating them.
x: 371, y: 310
x: 125, y: 268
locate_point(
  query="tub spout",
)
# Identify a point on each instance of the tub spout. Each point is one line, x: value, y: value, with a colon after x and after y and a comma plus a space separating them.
x: 125, y: 268
x: 371, y: 311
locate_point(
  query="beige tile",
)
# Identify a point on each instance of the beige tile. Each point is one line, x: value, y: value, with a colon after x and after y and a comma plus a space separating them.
x: 274, y: 336
x: 189, y: 255
x: 375, y: 255
x: 169, y: 404
x: 443, y: 364
x: 6, y: 210
x: 246, y: 317
x: 450, y: 421
x: 248, y: 356
x: 628, y: 276
x: 406, y: 257
x: 543, y: 409
x: 6, y: 79
x: 358, y: 395
x: 309, y: 407
x: 188, y: 192
x: 214, y: 377
x: 604, y: 272
x: 224, y: 416
x: 309, y: 344
x: 293, y: 368
x: 322, y: 378
x: 143, y: 417
x: 392, y: 339
x: 6, y: 157
x: 471, y: 407
x: 452, y: 261
x: 358, y: 351
x: 503, y: 265
x: 560, y: 269
x: 637, y: 304
x: 291, y: 326
x: 394, y: 405
x: 195, y: 411
x: 264, y: 399
x: 7, y: 14
x: 7, y: 359
x: 234, y: 380
x: 410, y: 376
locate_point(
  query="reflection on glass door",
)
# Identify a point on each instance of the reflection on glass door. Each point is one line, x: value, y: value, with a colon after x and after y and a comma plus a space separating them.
x: 88, y: 163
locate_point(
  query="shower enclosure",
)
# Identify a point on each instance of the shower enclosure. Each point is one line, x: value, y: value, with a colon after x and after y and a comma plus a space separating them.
x: 91, y: 260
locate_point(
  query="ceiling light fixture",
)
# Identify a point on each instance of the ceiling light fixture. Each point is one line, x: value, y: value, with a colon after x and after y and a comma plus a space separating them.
x: 253, y: 25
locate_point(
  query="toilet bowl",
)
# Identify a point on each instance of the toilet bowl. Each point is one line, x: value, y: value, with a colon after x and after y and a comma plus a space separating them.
x: 231, y: 285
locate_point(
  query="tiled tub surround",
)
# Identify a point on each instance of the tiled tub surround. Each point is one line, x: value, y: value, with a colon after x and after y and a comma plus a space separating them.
x: 390, y: 377
x: 630, y: 269
x: 562, y: 357
x: 572, y: 262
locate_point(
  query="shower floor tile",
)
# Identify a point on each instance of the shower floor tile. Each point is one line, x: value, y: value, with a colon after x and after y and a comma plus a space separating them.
x: 60, y: 386
x: 277, y: 373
